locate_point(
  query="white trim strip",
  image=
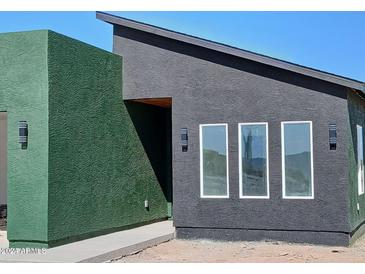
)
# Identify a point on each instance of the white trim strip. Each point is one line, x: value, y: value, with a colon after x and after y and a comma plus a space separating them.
x: 360, y: 166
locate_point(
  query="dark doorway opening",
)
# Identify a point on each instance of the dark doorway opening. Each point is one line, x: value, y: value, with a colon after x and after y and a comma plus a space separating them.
x: 152, y: 120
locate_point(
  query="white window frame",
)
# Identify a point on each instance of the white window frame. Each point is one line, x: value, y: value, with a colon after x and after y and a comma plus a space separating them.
x: 201, y: 161
x: 283, y: 159
x: 267, y: 196
x: 360, y: 180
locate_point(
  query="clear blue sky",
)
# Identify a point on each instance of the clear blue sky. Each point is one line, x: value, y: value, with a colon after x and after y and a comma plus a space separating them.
x: 333, y: 42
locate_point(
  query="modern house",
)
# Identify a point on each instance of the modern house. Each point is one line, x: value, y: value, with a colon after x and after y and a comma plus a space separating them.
x: 231, y: 144
x: 261, y: 148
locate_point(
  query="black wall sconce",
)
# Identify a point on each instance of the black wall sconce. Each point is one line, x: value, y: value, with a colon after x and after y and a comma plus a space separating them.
x: 23, y: 134
x: 333, y: 136
x: 184, y: 139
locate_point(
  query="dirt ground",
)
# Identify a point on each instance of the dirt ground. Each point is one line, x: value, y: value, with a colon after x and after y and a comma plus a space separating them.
x: 246, y: 252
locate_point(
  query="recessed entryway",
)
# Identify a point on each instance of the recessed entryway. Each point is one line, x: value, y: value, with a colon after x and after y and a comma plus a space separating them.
x: 152, y: 120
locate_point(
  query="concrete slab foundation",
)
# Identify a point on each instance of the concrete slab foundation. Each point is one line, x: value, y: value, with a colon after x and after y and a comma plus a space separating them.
x: 310, y: 237
x: 95, y: 250
x: 3, y: 240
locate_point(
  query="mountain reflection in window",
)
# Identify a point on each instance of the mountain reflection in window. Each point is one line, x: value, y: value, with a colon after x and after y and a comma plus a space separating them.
x: 214, y: 161
x: 298, y: 163
x: 253, y: 160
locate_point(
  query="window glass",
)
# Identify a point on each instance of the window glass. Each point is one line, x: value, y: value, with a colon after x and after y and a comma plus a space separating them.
x: 297, y: 162
x: 214, y: 166
x: 253, y: 160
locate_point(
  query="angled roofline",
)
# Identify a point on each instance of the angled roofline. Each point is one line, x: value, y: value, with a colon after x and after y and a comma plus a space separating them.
x: 219, y: 47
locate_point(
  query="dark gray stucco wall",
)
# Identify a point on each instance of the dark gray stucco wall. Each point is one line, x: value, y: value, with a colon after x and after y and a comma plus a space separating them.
x: 210, y: 87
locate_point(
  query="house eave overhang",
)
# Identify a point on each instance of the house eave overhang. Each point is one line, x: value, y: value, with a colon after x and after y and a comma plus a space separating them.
x: 325, y: 76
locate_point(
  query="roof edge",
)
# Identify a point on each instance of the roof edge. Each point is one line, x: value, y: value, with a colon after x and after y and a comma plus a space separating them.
x: 219, y: 47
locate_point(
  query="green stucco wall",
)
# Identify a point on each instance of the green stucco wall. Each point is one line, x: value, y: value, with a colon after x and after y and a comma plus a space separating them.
x: 85, y: 171
x: 99, y: 173
x: 356, y: 110
x: 24, y: 95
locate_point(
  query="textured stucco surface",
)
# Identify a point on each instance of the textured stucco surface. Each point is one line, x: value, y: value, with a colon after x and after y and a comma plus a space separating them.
x: 24, y: 95
x: 356, y: 114
x: 210, y: 87
x: 3, y: 158
x: 153, y: 125
x: 99, y: 173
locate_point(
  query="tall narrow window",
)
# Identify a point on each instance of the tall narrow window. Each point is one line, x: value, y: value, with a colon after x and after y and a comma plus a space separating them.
x: 214, y: 161
x: 297, y: 160
x: 253, y: 160
x: 360, y: 160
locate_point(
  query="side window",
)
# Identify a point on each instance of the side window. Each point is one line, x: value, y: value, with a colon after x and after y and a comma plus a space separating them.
x: 297, y: 159
x: 214, y: 161
x: 253, y: 160
x: 360, y: 159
